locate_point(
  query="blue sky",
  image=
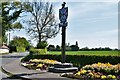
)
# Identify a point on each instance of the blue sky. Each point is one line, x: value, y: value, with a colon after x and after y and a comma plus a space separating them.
x: 92, y: 24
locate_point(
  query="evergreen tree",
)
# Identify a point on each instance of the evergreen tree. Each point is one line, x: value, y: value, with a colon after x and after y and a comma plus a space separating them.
x: 76, y: 43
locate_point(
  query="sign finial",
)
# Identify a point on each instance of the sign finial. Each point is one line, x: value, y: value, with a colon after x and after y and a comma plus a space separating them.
x: 63, y: 4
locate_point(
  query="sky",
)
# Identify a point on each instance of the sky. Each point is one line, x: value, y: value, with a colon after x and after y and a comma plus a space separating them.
x: 92, y: 24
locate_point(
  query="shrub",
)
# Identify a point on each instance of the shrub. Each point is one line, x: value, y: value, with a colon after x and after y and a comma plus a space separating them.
x: 68, y: 48
x: 79, y: 60
x: 12, y: 49
x: 51, y: 48
x: 38, y: 51
x: 20, y: 43
x: 58, y: 48
x: 20, y: 49
x: 74, y: 48
x: 42, y: 45
x: 16, y: 49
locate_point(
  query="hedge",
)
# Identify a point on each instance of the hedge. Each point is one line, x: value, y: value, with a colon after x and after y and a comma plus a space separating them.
x: 12, y: 49
x: 38, y: 51
x: 77, y: 60
x: 20, y: 49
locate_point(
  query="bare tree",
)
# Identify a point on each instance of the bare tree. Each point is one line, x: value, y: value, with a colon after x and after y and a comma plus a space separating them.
x: 43, y: 24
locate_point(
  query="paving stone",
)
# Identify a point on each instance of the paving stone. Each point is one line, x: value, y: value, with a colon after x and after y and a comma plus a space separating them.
x: 15, y: 68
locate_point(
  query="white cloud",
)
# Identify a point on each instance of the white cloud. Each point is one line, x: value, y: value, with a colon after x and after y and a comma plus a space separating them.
x: 85, y: 8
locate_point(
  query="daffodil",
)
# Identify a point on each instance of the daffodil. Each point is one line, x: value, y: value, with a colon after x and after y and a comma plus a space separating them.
x: 109, y: 76
x: 103, y: 77
x: 78, y: 73
x: 83, y: 71
x: 113, y: 77
x: 91, y: 74
x: 40, y: 65
x: 97, y: 76
x: 108, y: 64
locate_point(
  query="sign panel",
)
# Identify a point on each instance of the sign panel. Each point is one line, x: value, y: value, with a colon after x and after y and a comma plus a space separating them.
x: 63, y: 14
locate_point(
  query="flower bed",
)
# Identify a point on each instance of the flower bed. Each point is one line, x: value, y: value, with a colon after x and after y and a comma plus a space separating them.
x: 44, y: 61
x: 96, y: 71
x: 39, y: 64
x: 106, y: 68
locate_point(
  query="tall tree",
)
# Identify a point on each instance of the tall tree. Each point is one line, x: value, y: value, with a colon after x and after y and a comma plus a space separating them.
x: 76, y: 43
x: 9, y: 13
x: 43, y: 24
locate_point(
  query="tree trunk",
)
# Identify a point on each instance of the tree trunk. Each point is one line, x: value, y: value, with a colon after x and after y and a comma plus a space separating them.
x: 39, y: 37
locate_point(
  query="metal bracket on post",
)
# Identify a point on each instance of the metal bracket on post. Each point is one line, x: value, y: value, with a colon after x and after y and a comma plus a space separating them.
x: 63, y: 24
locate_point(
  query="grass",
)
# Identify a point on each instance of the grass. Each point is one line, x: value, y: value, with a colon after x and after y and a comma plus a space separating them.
x: 97, y: 53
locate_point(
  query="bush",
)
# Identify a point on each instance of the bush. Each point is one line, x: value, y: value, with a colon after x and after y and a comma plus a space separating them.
x: 68, y: 48
x: 20, y: 43
x: 12, y: 49
x: 79, y: 60
x: 20, y: 49
x: 51, y: 48
x: 74, y: 48
x: 38, y: 51
x: 58, y: 48
x: 42, y: 45
x: 16, y: 49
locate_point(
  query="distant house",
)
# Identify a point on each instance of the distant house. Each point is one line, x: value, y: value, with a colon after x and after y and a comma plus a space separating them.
x: 4, y: 49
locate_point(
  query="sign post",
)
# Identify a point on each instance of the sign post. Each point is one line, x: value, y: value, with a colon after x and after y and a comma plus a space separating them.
x: 63, y: 67
x: 63, y: 14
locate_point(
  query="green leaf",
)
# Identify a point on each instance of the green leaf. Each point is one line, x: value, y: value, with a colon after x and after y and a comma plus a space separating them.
x: 17, y: 25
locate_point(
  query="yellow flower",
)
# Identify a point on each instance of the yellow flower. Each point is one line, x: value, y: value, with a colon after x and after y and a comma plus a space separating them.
x: 83, y: 71
x: 103, y: 77
x: 109, y: 76
x: 99, y: 63
x: 39, y: 65
x: 108, y: 64
x: 91, y: 74
x: 113, y: 77
x: 97, y: 76
x: 78, y: 73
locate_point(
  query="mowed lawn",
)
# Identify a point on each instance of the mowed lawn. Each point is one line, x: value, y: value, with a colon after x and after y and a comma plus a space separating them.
x: 97, y: 53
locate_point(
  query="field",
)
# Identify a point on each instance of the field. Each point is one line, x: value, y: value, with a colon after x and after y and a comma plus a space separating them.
x: 97, y: 53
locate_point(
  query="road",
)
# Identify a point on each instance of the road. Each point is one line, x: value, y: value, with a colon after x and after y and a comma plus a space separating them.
x: 7, y: 58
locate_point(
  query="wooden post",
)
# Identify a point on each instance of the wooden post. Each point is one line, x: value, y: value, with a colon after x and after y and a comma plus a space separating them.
x: 63, y: 43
